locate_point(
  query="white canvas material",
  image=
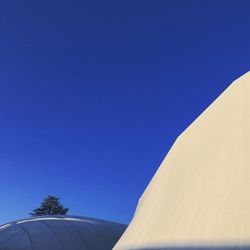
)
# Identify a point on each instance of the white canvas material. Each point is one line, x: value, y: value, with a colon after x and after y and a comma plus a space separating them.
x: 200, y: 195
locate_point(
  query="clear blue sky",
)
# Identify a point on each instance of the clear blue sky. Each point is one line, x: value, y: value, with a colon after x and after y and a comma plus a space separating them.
x: 94, y: 93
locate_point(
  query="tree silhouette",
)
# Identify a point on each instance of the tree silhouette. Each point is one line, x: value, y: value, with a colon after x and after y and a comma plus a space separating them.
x: 50, y: 206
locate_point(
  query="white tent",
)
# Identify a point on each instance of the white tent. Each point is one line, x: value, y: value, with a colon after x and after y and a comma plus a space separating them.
x: 60, y: 233
x: 200, y: 196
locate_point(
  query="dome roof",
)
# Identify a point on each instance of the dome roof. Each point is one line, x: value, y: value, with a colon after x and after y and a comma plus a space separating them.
x: 60, y: 233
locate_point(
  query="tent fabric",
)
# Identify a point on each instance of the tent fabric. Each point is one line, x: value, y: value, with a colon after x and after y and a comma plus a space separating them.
x: 60, y: 233
x: 200, y: 196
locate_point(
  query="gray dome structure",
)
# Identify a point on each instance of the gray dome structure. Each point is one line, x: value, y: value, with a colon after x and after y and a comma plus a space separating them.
x: 60, y: 233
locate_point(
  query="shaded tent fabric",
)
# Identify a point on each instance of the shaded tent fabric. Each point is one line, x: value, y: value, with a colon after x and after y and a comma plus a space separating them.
x: 200, y: 196
x: 60, y: 233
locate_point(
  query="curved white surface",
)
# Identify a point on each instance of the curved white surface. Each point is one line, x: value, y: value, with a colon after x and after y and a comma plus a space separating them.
x: 60, y: 233
x: 200, y: 195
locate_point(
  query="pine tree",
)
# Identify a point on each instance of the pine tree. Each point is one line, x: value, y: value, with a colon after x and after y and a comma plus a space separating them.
x: 50, y: 206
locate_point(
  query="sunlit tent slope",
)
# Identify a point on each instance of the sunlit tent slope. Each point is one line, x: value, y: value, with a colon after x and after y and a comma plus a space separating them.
x: 60, y: 233
x: 200, y: 195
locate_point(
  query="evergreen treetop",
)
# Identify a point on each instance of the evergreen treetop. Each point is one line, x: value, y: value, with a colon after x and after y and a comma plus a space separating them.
x: 50, y: 206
